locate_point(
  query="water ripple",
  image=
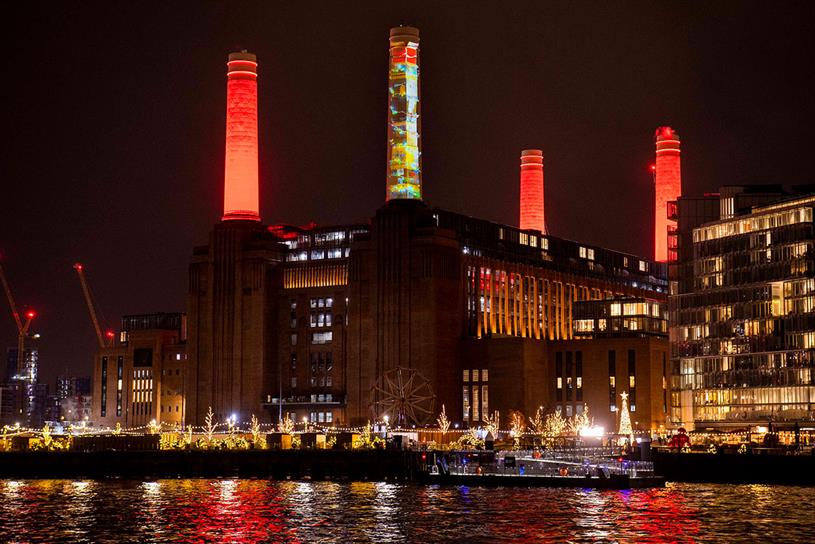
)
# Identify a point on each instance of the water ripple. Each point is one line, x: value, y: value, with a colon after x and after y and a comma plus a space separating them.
x: 199, y: 511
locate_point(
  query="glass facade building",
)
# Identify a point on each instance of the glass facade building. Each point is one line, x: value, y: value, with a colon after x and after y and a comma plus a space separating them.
x: 742, y: 323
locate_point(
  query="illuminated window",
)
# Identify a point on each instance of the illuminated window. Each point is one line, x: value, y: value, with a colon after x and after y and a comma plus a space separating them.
x: 322, y: 337
x: 465, y: 406
x: 584, y: 325
x: 582, y: 252
x: 643, y: 266
x: 476, y: 405
x: 104, y: 396
x: 616, y: 309
x: 484, y: 375
x: 119, y: 376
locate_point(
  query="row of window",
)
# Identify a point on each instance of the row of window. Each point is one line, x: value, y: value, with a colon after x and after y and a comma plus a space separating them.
x: 632, y: 380
x: 569, y: 377
x: 321, y: 417
x: 475, y: 394
x: 317, y: 338
x: 318, y: 254
x: 104, y: 382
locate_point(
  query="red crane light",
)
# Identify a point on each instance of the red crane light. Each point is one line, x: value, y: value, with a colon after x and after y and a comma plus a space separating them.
x: 110, y: 334
x: 31, y: 314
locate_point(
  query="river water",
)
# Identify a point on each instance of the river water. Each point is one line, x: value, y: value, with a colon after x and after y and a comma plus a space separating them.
x: 264, y: 511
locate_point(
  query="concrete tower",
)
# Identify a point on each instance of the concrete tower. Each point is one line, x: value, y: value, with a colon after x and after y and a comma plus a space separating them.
x: 667, y: 187
x: 404, y: 123
x: 532, y: 216
x: 241, y: 165
x: 229, y: 336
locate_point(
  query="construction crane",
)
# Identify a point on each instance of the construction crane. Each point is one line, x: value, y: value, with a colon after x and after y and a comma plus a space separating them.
x: 104, y: 339
x: 22, y: 326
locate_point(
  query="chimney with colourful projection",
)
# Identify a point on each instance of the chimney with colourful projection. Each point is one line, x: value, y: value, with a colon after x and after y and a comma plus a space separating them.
x: 241, y: 169
x: 532, y: 215
x: 667, y: 187
x: 404, y: 124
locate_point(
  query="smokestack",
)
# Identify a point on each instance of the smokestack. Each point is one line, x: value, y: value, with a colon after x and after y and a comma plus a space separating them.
x: 404, y: 124
x: 667, y: 187
x: 532, y: 190
x: 241, y: 168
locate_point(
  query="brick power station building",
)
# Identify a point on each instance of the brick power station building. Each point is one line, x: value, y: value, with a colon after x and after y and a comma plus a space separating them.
x: 418, y: 308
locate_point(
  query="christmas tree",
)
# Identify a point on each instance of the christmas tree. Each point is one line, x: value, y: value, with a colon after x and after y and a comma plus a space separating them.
x: 625, y: 417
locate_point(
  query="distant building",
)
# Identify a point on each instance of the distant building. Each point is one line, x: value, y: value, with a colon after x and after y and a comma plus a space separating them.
x: 30, y: 397
x: 742, y: 311
x: 71, y: 402
x: 141, y: 377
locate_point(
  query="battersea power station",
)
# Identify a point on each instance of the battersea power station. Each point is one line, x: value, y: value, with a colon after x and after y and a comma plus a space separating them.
x: 416, y: 309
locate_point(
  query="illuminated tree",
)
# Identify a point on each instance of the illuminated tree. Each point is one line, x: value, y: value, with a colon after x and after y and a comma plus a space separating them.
x: 537, y: 422
x: 285, y: 425
x: 554, y: 425
x: 625, y: 418
x: 255, y: 427
x: 209, y: 425
x: 581, y: 421
x: 46, y: 436
x: 492, y: 423
x: 517, y: 426
x: 118, y: 429
x: 153, y: 427
x: 444, y: 423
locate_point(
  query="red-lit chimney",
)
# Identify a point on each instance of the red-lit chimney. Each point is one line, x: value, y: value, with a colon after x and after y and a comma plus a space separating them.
x: 532, y: 190
x: 667, y: 187
x: 241, y: 168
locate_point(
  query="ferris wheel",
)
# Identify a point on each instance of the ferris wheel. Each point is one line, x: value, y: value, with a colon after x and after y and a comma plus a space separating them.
x: 404, y: 395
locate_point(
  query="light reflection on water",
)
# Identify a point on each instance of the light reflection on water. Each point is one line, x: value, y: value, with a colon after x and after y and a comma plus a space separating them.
x: 263, y: 511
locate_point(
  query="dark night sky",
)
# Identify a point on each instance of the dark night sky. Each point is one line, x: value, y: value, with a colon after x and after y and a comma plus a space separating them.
x: 114, y: 126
